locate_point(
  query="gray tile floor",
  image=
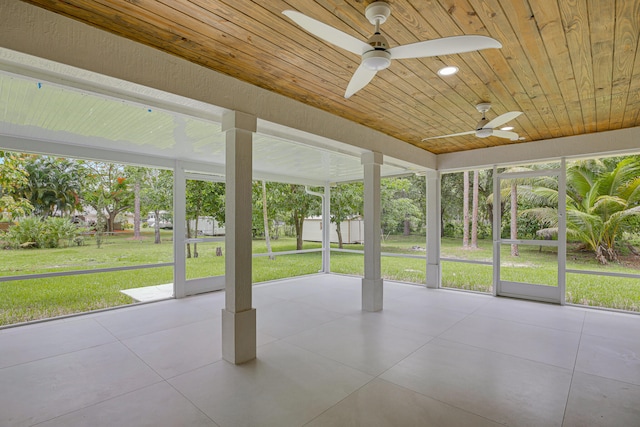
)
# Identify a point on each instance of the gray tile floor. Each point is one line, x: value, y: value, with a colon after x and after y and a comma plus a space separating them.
x: 430, y: 358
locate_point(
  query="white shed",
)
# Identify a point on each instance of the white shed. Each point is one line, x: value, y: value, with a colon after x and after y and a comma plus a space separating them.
x: 207, y: 226
x: 352, y: 230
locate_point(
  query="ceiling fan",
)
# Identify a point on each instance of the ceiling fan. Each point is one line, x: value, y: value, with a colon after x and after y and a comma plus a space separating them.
x: 376, y: 54
x: 486, y: 128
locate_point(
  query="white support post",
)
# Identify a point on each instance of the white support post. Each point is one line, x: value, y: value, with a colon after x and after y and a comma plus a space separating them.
x: 238, y: 316
x: 496, y: 231
x: 179, y: 231
x: 325, y: 224
x: 562, y: 231
x: 372, y: 284
x: 433, y: 229
x: 326, y: 229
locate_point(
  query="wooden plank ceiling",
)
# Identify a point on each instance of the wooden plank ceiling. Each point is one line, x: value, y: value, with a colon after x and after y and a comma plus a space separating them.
x: 572, y: 66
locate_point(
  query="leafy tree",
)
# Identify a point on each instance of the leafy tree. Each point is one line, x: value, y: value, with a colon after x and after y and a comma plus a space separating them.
x: 157, y: 196
x: 397, y: 206
x: 513, y: 191
x: 203, y: 198
x: 13, y: 176
x: 475, y: 212
x: 300, y: 205
x: 107, y: 190
x: 346, y: 202
x: 265, y: 220
x: 451, y: 191
x: 276, y: 205
x: 417, y: 192
x: 136, y: 175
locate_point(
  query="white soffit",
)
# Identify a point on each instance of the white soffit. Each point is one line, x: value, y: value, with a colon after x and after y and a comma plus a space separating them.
x: 42, y: 104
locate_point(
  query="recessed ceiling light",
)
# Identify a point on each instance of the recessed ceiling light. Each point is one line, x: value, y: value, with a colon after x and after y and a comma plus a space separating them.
x: 507, y: 128
x: 447, y: 71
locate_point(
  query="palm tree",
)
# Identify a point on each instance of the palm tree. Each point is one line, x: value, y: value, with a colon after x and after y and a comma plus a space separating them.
x: 602, y: 199
x: 53, y: 185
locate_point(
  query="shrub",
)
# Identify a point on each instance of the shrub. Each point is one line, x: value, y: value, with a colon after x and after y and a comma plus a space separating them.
x: 33, y: 232
x: 27, y: 231
x: 58, y: 230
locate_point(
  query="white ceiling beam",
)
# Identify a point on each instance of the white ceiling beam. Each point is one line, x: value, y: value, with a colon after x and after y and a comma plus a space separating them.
x: 615, y: 142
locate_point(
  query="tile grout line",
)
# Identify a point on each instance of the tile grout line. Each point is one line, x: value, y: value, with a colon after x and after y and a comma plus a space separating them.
x: 96, y: 403
x: 573, y: 372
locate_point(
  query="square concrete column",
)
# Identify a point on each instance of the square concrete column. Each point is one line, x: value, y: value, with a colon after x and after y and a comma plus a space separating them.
x: 433, y: 229
x: 372, y: 281
x: 238, y: 317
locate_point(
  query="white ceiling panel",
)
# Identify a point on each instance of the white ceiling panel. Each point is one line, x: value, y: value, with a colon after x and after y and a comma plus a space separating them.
x: 36, y: 109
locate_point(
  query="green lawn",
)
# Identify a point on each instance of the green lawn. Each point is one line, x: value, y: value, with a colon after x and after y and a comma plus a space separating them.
x: 32, y: 299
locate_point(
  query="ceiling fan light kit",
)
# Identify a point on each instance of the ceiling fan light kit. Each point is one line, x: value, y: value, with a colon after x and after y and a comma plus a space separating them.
x: 376, y: 60
x: 376, y: 54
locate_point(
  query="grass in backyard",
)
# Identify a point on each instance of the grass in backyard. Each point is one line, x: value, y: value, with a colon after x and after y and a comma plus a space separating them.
x: 25, y: 300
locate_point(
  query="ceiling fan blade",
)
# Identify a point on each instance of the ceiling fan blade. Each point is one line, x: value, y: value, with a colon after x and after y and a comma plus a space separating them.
x: 360, y: 79
x: 328, y: 33
x: 505, y: 134
x: 453, y: 134
x: 502, y: 119
x: 444, y: 46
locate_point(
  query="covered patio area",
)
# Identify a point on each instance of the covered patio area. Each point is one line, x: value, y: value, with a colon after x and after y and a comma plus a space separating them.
x: 323, y: 349
x: 432, y: 357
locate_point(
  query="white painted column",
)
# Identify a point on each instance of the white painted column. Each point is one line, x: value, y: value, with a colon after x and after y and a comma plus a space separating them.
x: 562, y: 231
x: 372, y: 294
x: 179, y: 231
x: 238, y: 317
x: 433, y: 229
x: 497, y: 220
x: 324, y: 224
x: 326, y: 229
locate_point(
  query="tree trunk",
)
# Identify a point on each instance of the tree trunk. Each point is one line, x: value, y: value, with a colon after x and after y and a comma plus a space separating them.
x: 339, y: 232
x: 111, y: 221
x: 136, y: 211
x: 474, y: 215
x: 195, y: 245
x: 514, y: 218
x: 265, y: 220
x: 188, y: 237
x: 156, y: 228
x: 298, y: 224
x: 465, y: 210
x: 407, y: 227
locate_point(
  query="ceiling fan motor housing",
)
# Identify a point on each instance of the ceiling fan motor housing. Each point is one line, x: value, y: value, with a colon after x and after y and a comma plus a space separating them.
x: 377, y: 12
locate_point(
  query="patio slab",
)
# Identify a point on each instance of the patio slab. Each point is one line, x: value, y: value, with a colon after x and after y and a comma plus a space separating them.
x: 150, y: 293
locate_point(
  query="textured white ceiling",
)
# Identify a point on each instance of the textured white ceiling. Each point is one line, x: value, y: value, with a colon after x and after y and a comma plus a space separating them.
x: 36, y: 109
